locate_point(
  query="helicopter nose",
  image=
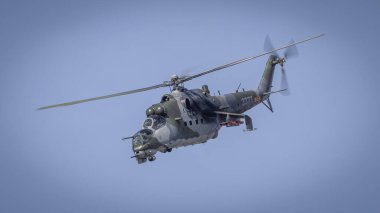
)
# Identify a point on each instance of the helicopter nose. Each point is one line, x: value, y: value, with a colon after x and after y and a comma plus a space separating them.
x: 147, y: 144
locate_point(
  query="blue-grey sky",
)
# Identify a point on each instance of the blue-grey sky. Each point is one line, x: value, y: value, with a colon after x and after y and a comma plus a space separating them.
x: 318, y: 152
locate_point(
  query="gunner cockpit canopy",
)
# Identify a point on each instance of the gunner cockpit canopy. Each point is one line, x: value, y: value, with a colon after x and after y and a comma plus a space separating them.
x: 142, y: 136
x: 154, y: 122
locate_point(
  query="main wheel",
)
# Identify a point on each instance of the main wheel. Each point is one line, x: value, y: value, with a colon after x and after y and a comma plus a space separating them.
x: 169, y: 149
x: 152, y: 158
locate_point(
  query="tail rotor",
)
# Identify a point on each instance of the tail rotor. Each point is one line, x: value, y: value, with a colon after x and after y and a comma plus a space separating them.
x: 290, y: 52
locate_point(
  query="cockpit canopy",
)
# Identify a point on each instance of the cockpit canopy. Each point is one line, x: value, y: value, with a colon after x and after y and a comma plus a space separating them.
x: 142, y: 137
x: 151, y: 124
x: 154, y: 122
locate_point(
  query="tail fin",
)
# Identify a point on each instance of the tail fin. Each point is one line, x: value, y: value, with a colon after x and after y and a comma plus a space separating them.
x: 267, y: 78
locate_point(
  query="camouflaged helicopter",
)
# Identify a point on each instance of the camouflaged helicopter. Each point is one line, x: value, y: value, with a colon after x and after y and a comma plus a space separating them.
x: 193, y: 116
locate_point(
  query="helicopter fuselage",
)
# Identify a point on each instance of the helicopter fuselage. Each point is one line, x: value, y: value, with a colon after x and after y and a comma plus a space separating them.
x: 187, y: 117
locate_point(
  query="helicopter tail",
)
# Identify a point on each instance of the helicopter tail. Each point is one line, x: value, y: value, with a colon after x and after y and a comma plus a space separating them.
x: 267, y: 77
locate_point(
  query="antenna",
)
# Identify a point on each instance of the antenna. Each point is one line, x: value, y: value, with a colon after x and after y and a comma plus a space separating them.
x: 237, y: 90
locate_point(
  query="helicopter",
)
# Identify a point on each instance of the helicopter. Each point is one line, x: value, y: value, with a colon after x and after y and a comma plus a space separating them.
x: 193, y: 116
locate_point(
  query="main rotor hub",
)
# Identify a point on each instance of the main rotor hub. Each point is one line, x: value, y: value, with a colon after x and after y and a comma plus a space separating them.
x: 174, y: 78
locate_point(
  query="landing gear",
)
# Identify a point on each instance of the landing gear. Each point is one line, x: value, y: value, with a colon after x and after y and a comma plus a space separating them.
x: 169, y: 150
x: 151, y: 158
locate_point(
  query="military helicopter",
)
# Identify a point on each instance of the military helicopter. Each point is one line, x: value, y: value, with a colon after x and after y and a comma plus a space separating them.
x: 193, y: 116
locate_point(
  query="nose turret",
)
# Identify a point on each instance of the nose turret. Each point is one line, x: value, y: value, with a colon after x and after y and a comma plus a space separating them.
x: 148, y: 141
x: 144, y: 145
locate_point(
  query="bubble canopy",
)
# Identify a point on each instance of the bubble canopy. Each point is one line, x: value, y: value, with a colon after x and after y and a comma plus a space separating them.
x: 154, y: 122
x: 142, y: 137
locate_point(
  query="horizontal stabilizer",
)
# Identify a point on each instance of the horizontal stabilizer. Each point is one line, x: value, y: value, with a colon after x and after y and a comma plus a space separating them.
x: 268, y: 93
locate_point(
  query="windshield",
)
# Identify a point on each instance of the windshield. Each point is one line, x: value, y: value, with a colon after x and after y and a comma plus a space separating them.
x: 141, y: 137
x: 155, y: 122
x: 148, y: 123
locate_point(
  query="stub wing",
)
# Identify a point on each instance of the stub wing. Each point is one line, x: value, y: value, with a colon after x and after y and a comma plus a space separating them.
x: 230, y: 119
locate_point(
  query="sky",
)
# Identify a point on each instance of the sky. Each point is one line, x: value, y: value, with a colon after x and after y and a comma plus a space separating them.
x: 318, y: 151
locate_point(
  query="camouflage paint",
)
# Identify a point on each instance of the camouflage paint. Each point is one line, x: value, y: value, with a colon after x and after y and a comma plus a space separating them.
x: 191, y: 116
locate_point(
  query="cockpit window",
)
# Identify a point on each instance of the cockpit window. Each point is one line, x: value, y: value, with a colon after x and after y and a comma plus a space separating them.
x: 159, y: 121
x: 137, y: 140
x: 146, y: 132
x: 148, y: 123
x: 142, y: 137
x: 155, y: 122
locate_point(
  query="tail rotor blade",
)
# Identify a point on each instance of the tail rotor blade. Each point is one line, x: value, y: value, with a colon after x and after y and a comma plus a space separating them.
x: 284, y: 83
x: 268, y: 45
x: 291, y: 51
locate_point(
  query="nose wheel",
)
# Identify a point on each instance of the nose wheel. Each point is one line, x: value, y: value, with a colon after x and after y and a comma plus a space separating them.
x: 151, y: 158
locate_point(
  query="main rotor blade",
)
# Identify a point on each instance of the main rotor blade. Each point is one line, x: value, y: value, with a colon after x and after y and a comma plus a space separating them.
x: 187, y: 72
x: 104, y: 97
x: 247, y: 59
